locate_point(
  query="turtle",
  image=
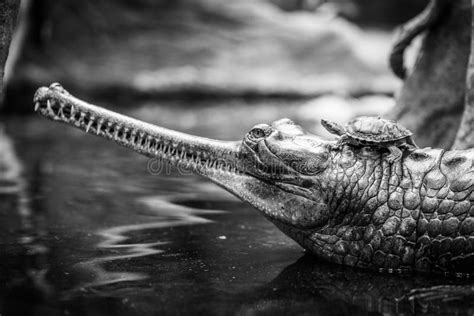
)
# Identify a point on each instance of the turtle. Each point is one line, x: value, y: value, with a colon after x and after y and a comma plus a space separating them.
x: 374, y: 131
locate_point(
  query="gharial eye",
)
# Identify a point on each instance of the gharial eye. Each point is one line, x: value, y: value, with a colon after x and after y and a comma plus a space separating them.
x: 257, y: 133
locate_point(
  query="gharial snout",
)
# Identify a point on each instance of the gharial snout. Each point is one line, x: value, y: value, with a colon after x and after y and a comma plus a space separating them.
x: 43, y: 98
x: 40, y: 94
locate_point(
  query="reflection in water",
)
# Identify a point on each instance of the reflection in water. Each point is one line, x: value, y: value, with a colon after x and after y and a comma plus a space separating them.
x: 33, y: 253
x: 443, y: 294
x: 165, y: 214
x: 315, y: 285
x: 11, y: 179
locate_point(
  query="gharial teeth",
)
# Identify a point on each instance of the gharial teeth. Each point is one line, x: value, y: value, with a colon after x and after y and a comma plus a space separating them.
x: 89, y: 126
x: 125, y: 134
x: 99, y: 126
x: 60, y: 111
x: 148, y: 141
x: 48, y: 106
x: 108, y: 129
x: 117, y: 130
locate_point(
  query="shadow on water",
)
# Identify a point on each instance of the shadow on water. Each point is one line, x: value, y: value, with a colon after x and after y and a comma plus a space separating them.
x: 81, y: 235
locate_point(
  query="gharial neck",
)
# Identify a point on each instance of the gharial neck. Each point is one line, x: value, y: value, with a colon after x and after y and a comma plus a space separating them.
x: 355, y: 178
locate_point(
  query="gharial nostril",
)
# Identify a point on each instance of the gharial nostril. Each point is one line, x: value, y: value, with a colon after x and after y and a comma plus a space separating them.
x: 56, y: 86
x: 40, y: 94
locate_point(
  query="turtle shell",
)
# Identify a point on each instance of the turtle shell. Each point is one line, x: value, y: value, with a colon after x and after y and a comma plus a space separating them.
x: 376, y: 129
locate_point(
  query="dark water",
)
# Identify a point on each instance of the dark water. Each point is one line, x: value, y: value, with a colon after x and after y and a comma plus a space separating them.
x: 86, y: 229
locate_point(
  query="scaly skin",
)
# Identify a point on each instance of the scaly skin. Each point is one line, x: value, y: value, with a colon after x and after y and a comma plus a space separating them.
x: 347, y: 205
x: 403, y: 216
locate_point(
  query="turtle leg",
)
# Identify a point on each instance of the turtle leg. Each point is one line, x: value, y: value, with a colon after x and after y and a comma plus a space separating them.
x: 343, y: 140
x: 410, y: 142
x: 407, y: 146
x: 395, y: 154
x: 409, y: 31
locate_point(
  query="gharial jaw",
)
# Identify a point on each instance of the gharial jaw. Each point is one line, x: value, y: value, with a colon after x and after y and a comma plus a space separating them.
x: 219, y: 161
x: 197, y: 154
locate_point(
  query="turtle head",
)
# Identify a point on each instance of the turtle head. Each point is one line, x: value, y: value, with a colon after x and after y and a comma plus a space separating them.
x: 333, y: 127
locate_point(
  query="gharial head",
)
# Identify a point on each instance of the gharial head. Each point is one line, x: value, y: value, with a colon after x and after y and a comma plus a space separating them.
x: 283, y: 152
x: 277, y: 168
x: 289, y: 166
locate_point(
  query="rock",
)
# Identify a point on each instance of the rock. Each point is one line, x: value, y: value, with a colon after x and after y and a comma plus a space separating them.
x: 432, y: 99
x: 9, y: 11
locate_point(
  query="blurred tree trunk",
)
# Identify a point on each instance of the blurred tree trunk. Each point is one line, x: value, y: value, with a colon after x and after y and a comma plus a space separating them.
x: 465, y: 135
x: 8, y: 15
x: 432, y: 99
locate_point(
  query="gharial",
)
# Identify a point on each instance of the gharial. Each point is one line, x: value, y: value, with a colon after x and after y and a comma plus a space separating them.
x: 345, y: 204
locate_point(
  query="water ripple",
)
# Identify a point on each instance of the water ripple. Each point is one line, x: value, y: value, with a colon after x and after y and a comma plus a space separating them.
x: 166, y: 214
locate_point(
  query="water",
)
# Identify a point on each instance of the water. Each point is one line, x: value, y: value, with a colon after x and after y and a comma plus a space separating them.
x: 86, y: 229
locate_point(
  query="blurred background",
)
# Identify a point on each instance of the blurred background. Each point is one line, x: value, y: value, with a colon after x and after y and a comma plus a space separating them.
x: 199, y: 49
x: 87, y: 230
